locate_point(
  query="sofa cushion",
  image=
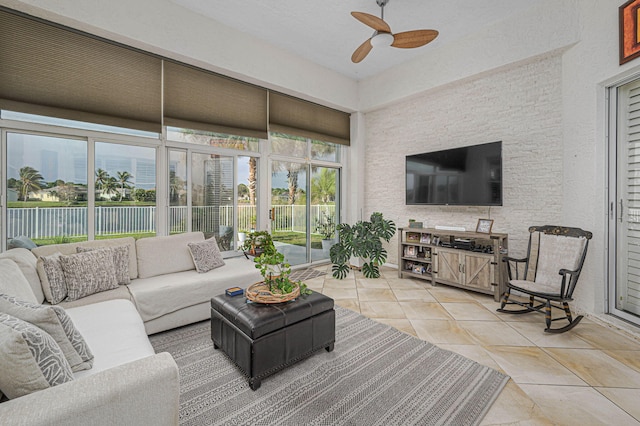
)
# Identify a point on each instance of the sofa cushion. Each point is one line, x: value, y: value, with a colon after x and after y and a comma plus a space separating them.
x: 206, y: 255
x: 30, y: 360
x: 114, y: 331
x: 120, y: 292
x: 13, y: 282
x: 52, y: 277
x: 120, y: 261
x: 158, y: 296
x: 55, y: 321
x: 71, y: 248
x: 26, y: 261
x: 88, y: 273
x: 165, y: 255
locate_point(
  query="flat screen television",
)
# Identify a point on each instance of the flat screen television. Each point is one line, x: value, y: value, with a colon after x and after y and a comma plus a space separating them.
x: 467, y: 176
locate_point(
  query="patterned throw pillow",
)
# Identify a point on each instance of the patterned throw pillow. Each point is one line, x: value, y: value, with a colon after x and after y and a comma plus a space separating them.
x: 120, y: 260
x: 30, y: 360
x: 52, y: 276
x: 206, y: 255
x: 55, y: 321
x: 88, y: 273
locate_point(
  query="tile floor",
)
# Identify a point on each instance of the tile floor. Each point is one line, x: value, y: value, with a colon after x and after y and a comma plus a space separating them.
x: 587, y: 376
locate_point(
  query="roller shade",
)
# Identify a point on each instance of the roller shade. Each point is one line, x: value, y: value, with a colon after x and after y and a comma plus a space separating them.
x: 49, y: 70
x: 301, y: 118
x: 202, y: 100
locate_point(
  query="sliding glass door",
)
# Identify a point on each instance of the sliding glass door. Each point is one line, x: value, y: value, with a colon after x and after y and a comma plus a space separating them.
x: 288, y: 213
x: 204, y: 196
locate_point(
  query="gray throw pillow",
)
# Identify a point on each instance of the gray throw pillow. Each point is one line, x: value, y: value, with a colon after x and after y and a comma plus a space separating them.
x: 30, y: 360
x: 21, y: 242
x: 88, y: 273
x: 120, y: 261
x: 206, y: 255
x: 55, y: 321
x: 54, y: 285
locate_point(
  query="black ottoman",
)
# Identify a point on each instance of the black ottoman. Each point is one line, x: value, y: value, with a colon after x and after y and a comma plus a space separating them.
x: 263, y: 339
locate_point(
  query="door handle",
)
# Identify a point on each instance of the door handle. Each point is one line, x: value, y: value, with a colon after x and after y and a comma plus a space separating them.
x: 621, y: 209
x: 272, y: 214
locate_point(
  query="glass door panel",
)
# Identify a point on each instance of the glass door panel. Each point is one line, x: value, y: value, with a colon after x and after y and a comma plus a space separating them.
x: 323, y: 210
x: 46, y: 188
x: 178, y: 208
x: 125, y: 191
x: 289, y: 225
x: 212, y: 197
x: 247, y: 195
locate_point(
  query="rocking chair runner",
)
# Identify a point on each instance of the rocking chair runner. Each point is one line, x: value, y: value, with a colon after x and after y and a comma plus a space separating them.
x: 549, y: 272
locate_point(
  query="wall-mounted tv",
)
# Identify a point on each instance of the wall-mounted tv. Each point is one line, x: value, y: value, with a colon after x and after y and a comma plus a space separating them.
x: 467, y: 176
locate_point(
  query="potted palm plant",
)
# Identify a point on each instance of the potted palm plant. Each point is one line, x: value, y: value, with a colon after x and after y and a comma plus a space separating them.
x: 363, y: 240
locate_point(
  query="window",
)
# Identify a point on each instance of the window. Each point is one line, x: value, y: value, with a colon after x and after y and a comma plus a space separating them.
x: 46, y: 188
x: 41, y: 119
x: 125, y: 191
x: 217, y: 140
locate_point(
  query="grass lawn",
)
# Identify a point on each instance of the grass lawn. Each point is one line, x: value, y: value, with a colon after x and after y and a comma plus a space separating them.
x: 79, y: 238
x: 297, y: 239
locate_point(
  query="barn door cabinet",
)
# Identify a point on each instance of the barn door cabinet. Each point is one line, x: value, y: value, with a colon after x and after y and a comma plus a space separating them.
x: 468, y: 260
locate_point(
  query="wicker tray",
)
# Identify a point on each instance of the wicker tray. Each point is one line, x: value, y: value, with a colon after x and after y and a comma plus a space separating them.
x: 259, y: 293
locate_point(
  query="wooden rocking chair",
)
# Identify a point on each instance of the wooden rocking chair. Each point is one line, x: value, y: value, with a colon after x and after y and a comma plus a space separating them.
x: 549, y: 273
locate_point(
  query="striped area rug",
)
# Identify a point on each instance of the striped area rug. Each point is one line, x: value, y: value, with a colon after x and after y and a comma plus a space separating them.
x: 376, y: 375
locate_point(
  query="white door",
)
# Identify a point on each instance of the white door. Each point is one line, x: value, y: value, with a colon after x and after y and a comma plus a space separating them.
x: 625, y: 206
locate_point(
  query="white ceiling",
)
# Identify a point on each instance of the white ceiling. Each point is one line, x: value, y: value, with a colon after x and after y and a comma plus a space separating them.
x: 324, y: 32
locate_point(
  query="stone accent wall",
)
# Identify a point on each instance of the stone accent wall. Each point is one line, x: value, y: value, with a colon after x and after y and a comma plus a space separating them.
x: 520, y: 105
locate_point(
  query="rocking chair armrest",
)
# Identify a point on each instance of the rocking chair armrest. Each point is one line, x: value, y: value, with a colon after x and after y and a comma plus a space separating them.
x: 513, y: 259
x: 567, y: 272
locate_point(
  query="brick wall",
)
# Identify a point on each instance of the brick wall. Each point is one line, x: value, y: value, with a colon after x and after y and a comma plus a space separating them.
x: 520, y: 104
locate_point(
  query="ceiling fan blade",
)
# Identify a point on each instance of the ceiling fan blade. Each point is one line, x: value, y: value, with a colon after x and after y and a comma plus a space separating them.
x: 362, y: 51
x: 372, y: 21
x: 410, y: 39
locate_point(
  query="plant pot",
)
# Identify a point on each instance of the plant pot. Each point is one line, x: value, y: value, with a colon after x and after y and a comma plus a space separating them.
x: 327, y: 244
x: 242, y: 236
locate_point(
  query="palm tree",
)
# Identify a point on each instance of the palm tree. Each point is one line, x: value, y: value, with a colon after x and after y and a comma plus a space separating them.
x: 110, y: 186
x: 323, y: 185
x: 30, y: 180
x: 102, y: 176
x: 123, y: 179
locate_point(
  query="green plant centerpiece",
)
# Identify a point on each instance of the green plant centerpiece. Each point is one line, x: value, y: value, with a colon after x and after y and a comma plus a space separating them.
x: 364, y: 240
x: 275, y: 272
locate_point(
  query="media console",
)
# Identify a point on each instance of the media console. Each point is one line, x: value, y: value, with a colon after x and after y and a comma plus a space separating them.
x: 468, y: 260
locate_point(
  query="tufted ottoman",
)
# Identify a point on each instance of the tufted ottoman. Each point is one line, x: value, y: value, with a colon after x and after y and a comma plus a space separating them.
x: 263, y: 339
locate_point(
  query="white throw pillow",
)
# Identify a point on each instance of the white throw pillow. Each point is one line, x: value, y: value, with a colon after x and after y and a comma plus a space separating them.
x: 206, y: 255
x: 30, y: 360
x: 88, y: 273
x: 55, y: 321
x: 13, y: 282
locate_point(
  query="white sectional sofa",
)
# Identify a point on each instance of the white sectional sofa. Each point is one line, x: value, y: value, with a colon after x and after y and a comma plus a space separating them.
x: 128, y: 384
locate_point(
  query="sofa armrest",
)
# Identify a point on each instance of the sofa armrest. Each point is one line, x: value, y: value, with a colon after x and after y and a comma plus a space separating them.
x: 146, y: 391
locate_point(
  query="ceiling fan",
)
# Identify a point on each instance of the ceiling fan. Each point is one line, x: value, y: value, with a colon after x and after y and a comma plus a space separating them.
x: 384, y: 37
